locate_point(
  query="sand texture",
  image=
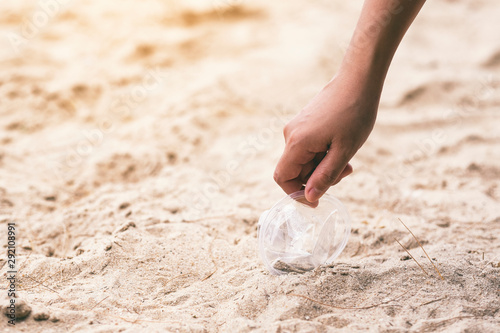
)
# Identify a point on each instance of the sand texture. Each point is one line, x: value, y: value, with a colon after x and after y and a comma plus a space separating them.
x: 138, y: 142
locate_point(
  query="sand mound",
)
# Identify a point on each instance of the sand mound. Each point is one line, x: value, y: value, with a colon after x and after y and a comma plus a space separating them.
x: 137, y: 149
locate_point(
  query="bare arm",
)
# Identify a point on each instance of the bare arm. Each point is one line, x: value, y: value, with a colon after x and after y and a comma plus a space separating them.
x: 325, y: 135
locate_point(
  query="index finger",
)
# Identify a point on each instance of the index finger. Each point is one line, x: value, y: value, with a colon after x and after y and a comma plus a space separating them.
x: 289, y: 167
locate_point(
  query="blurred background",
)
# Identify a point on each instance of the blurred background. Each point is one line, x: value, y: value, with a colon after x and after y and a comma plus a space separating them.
x: 170, y: 114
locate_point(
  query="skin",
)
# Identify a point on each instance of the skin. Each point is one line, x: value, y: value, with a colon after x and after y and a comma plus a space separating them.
x: 321, y: 140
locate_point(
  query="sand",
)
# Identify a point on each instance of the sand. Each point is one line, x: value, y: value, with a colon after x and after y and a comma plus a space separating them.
x: 137, y: 150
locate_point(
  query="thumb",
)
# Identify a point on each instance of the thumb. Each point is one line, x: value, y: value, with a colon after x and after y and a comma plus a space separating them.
x: 326, y: 174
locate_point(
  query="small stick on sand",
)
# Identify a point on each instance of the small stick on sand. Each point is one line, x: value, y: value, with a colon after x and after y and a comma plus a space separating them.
x: 454, y: 318
x: 41, y: 284
x: 117, y: 244
x: 102, y: 300
x: 413, y: 258
x: 209, y: 275
x: 434, y: 300
x: 212, y: 257
x: 348, y: 307
x: 22, y: 266
x: 437, y: 270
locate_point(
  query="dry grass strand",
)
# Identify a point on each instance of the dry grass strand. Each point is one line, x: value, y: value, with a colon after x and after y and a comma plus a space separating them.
x: 349, y: 307
x: 437, y: 270
x: 413, y: 258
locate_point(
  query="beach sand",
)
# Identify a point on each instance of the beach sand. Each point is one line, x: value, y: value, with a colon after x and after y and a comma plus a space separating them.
x: 137, y: 147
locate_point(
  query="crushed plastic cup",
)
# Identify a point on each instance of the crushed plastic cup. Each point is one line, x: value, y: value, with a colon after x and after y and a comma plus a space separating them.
x: 297, y: 236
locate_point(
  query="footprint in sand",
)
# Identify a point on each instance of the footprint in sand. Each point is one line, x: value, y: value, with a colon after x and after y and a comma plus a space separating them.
x: 428, y: 93
x: 493, y: 61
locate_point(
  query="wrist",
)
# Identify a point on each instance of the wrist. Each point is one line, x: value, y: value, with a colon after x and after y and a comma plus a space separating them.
x: 362, y: 77
x: 367, y: 66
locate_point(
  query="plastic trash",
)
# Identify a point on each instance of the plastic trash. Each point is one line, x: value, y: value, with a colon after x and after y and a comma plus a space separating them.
x: 295, y: 236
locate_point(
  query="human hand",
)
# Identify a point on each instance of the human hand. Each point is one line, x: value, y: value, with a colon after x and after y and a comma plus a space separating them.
x: 325, y: 135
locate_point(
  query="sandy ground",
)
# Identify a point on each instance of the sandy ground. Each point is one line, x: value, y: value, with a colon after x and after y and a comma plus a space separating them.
x: 137, y: 147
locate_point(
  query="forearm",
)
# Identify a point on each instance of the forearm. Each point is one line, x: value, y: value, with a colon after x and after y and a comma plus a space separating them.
x: 380, y: 29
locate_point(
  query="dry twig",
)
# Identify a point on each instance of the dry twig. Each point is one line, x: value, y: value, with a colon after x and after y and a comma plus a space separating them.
x: 434, y: 300
x: 47, y: 287
x: 209, y: 275
x: 102, y: 300
x: 413, y: 258
x: 348, y: 307
x: 437, y: 270
x: 212, y: 257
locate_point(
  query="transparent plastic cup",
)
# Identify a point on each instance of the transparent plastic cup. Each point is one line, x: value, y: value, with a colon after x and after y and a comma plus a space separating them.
x: 296, y: 236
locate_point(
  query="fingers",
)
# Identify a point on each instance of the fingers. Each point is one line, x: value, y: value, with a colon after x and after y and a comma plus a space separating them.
x: 291, y: 186
x: 287, y: 176
x: 319, y: 173
x: 298, y: 166
x: 307, y: 171
x: 329, y: 172
x: 289, y: 173
x: 346, y: 172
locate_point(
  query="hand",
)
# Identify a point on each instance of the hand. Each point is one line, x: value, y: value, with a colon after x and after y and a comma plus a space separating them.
x: 325, y: 135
